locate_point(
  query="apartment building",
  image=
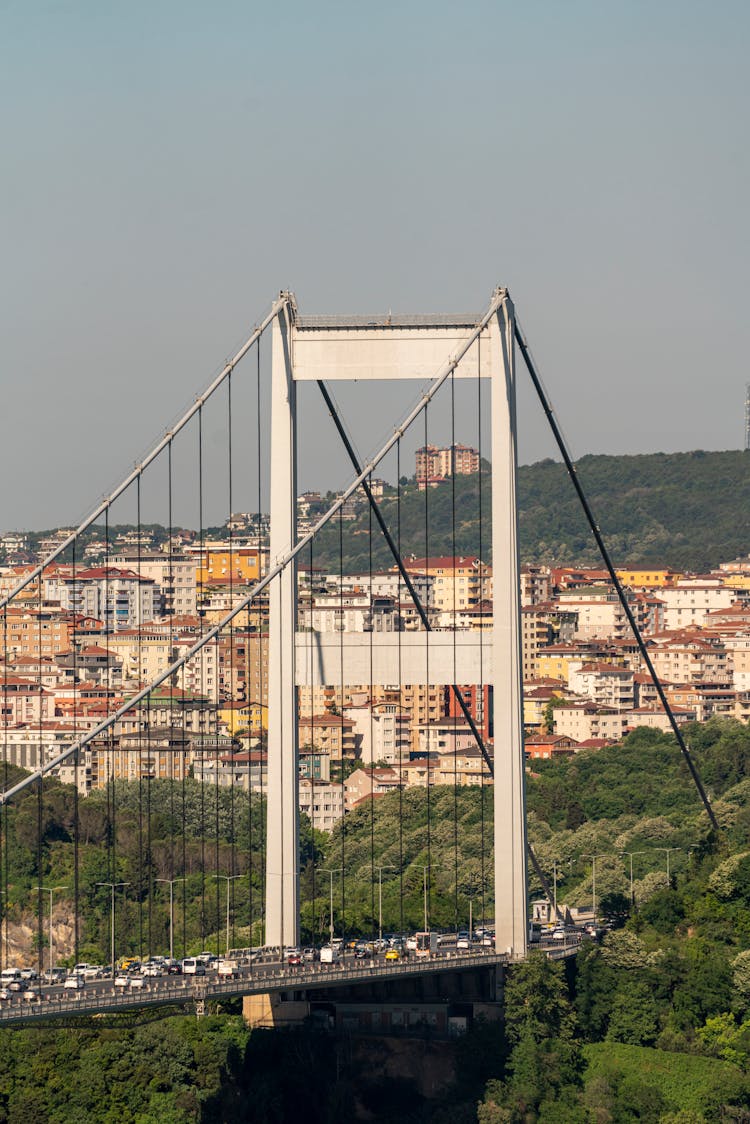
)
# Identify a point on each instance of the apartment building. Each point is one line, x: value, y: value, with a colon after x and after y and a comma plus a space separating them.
x: 604, y: 684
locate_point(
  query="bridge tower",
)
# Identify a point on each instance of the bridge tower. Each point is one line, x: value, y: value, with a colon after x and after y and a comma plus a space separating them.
x: 381, y: 348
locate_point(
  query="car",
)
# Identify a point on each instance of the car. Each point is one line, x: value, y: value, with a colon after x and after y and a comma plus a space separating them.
x: 393, y: 954
x: 54, y: 976
x: 31, y: 995
x: 310, y: 955
x: 28, y: 974
x: 122, y: 980
x: 174, y: 968
x: 151, y: 969
x: 294, y: 958
x: 5, y: 993
x: 137, y: 982
x: 74, y: 982
x: 361, y: 953
x: 17, y: 985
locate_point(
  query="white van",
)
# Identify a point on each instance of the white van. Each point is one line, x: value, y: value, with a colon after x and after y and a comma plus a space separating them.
x: 8, y: 975
x: 330, y: 954
x: 193, y: 966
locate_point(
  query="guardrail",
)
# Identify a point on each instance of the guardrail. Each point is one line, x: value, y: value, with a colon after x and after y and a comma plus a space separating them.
x: 253, y: 980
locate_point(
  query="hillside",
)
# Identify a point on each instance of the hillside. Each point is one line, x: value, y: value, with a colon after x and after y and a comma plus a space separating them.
x: 685, y: 510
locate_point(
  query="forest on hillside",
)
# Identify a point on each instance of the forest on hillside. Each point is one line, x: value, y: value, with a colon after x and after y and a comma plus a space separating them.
x: 684, y: 510
x: 651, y: 1023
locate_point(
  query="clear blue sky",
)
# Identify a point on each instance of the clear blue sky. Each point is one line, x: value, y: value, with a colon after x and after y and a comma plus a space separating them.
x: 169, y: 166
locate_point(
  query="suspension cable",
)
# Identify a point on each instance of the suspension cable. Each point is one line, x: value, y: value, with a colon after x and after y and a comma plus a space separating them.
x: 290, y: 554
x: 139, y: 469
x: 596, y: 532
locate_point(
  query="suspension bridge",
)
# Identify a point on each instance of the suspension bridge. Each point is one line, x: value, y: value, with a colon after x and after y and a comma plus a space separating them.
x: 181, y: 802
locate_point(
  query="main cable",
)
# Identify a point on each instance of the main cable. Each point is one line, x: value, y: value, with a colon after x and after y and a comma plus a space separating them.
x: 594, y: 527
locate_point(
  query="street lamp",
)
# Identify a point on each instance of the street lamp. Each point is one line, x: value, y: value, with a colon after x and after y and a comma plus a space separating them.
x: 425, y: 872
x: 51, y: 890
x: 593, y: 880
x: 113, y: 886
x: 228, y: 878
x: 668, y: 851
x: 631, y: 853
x: 170, y: 882
x: 380, y: 870
x: 331, y: 872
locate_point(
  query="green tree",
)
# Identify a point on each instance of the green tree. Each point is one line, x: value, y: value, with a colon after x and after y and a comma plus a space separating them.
x: 635, y: 1016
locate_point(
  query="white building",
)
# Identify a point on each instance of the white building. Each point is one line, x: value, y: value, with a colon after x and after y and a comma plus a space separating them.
x: 120, y: 598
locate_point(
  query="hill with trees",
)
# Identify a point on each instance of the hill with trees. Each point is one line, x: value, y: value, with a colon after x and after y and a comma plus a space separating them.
x: 685, y: 510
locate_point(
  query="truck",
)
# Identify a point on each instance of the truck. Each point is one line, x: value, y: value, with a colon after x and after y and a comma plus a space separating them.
x: 227, y: 968
x: 426, y: 944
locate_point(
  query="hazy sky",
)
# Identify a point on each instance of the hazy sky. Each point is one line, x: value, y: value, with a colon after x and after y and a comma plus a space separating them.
x: 169, y: 166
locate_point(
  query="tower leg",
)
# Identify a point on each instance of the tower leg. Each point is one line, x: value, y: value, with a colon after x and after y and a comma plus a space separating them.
x: 282, y: 841
x: 511, y: 926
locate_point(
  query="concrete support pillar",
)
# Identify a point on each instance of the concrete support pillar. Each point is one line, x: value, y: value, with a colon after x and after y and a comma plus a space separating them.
x: 511, y: 930
x: 282, y: 854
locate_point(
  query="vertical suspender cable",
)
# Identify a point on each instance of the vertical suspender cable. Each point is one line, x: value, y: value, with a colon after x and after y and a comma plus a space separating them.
x: 401, y: 708
x: 311, y: 711
x: 76, y: 763
x: 215, y: 711
x: 455, y: 676
x: 4, y: 869
x: 262, y: 681
x: 203, y: 555
x: 341, y: 724
x: 428, y: 873
x: 485, y: 710
x: 170, y: 614
x: 230, y: 694
x: 371, y: 703
x: 139, y: 727
x: 39, y: 802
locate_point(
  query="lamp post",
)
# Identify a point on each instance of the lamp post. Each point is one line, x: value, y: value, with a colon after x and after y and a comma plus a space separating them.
x: 227, y: 878
x: 51, y: 890
x: 170, y: 882
x: 593, y: 880
x: 630, y: 854
x: 668, y: 851
x: 331, y: 872
x: 425, y: 872
x: 380, y: 870
x: 113, y: 886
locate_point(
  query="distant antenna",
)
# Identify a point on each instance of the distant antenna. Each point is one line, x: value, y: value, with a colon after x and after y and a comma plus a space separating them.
x: 747, y: 416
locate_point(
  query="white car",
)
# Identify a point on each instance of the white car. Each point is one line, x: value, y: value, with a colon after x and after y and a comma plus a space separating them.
x: 74, y: 982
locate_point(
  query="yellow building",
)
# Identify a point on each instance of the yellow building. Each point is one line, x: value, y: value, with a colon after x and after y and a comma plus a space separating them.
x: 551, y: 664
x: 218, y: 565
x: 736, y: 581
x: 648, y: 578
x: 239, y: 716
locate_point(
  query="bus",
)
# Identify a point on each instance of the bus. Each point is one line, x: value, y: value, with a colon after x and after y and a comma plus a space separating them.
x: 427, y: 944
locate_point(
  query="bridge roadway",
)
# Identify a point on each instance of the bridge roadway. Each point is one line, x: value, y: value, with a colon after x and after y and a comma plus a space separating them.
x: 100, y: 996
